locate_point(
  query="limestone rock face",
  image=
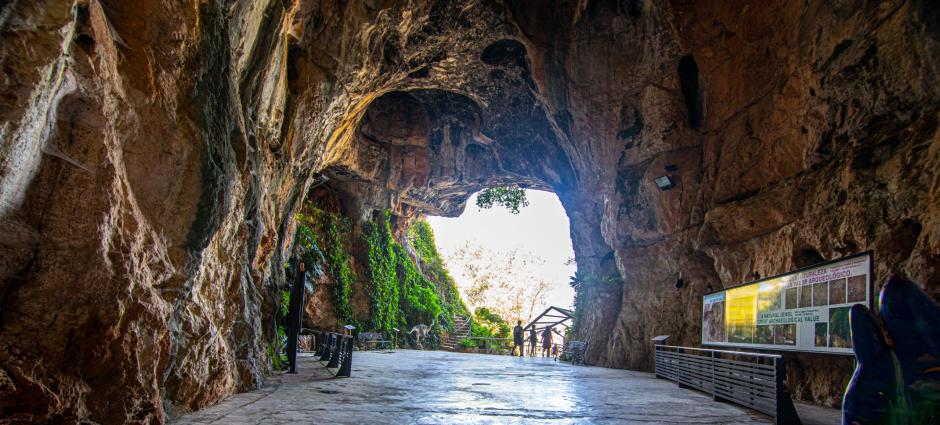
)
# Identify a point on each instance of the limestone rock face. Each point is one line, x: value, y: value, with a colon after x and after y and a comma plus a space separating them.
x: 152, y: 155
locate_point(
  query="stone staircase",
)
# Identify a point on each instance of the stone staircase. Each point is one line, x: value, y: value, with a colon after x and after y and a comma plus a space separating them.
x: 461, y: 331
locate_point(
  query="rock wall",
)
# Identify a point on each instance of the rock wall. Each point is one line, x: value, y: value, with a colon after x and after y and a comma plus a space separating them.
x: 143, y: 198
x: 151, y: 156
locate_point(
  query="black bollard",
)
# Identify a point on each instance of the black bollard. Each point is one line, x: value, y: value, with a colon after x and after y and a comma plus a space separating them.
x: 335, y: 351
x: 345, y: 364
x: 327, y: 346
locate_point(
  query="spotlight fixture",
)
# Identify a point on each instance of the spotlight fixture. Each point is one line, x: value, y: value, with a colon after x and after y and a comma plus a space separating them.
x: 664, y: 182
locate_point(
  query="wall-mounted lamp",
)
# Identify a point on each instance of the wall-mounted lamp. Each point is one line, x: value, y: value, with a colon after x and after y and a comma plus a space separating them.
x: 664, y: 182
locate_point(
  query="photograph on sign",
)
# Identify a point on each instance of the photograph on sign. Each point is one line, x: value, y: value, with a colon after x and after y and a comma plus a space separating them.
x: 804, y: 310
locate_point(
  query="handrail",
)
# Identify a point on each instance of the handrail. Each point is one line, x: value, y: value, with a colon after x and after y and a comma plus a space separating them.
x: 752, y: 382
x: 739, y: 353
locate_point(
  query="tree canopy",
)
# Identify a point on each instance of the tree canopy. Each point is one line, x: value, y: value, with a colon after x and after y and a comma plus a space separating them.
x: 511, y: 197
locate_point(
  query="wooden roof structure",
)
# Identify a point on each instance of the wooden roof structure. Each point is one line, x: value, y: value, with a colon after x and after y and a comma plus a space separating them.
x: 552, y: 316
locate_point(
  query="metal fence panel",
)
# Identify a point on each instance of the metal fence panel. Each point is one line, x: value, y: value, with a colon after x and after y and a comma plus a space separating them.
x: 750, y: 379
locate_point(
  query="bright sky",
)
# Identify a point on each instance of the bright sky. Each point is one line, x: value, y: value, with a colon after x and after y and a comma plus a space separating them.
x: 541, y: 229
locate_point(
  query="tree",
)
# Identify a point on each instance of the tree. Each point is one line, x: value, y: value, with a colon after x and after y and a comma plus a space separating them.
x: 505, y: 282
x: 511, y: 197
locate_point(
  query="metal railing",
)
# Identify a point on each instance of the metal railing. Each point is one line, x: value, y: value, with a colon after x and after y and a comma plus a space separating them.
x: 752, y: 380
x: 495, y: 345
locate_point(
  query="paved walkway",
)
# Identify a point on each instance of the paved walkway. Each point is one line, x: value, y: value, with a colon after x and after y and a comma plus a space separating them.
x: 436, y: 387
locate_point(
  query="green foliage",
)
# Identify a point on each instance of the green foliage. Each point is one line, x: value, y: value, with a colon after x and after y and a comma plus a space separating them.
x: 404, y: 293
x: 421, y: 239
x: 581, y: 282
x: 468, y: 343
x: 383, y: 269
x: 276, y: 349
x: 486, y: 323
x: 285, y: 302
x: 325, y: 229
x: 480, y: 330
x: 511, y: 197
x: 419, y: 300
x: 278, y: 358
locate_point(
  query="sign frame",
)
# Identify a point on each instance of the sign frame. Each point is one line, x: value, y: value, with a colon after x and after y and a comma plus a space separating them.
x: 754, y: 346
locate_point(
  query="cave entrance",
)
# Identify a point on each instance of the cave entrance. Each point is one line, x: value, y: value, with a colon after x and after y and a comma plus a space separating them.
x: 513, y: 265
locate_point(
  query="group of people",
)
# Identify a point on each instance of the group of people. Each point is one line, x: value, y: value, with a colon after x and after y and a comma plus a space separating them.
x: 518, y: 339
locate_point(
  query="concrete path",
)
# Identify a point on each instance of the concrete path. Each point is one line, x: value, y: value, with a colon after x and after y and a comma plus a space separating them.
x: 436, y: 387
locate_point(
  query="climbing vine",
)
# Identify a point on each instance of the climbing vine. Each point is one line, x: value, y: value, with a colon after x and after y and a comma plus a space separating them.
x: 421, y: 239
x: 407, y: 282
x: 383, y: 271
x: 405, y: 292
x: 318, y: 228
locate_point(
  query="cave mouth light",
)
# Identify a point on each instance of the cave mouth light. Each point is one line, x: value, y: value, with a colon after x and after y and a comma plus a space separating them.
x: 515, y: 264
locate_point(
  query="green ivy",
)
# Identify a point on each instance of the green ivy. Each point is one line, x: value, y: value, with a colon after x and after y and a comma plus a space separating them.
x: 383, y: 270
x: 402, y: 293
x: 421, y: 239
x: 285, y: 302
x: 331, y: 231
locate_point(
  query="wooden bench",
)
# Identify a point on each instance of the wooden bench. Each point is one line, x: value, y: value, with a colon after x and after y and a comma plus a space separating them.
x: 375, y: 340
x: 574, y: 350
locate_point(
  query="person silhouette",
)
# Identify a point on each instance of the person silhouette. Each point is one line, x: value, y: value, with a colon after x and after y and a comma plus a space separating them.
x: 533, y: 340
x: 547, y: 342
x: 517, y: 339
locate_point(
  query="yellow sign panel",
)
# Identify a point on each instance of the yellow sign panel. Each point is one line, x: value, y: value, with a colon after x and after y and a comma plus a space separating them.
x: 740, y: 311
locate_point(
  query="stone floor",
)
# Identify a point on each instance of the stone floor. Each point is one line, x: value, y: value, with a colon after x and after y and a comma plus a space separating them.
x: 435, y: 387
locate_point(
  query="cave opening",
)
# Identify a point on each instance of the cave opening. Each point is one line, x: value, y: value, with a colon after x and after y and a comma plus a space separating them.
x: 168, y: 167
x: 514, y: 264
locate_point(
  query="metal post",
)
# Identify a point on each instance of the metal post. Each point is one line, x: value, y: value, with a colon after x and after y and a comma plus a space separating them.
x: 714, y: 395
x: 318, y: 343
x: 786, y: 412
